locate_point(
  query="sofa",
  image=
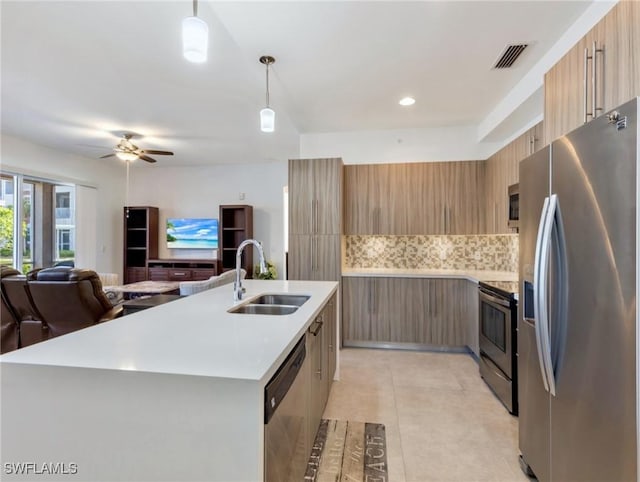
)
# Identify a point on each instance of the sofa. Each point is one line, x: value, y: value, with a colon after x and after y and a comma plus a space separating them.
x: 193, y: 287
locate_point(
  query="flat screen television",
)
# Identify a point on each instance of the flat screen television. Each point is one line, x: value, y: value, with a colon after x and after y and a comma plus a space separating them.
x: 192, y: 233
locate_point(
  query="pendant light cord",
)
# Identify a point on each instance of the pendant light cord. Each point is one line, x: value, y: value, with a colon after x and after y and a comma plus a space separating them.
x: 195, y: 8
x: 267, y: 84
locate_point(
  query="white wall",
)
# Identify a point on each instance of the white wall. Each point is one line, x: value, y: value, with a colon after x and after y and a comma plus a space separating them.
x: 107, y: 176
x: 199, y: 191
x: 398, y: 145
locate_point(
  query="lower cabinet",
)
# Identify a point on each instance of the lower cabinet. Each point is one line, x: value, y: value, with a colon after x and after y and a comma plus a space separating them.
x: 417, y: 311
x: 322, y: 362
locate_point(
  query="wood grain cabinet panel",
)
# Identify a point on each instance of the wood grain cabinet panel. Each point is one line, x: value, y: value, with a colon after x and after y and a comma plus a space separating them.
x: 314, y: 257
x: 315, y: 196
x: 397, y: 311
x: 617, y: 41
x: 501, y: 170
x: 315, y: 219
x: 414, y: 198
x: 321, y: 358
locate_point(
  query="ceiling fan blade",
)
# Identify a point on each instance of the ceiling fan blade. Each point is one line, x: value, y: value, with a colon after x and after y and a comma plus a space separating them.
x: 147, y: 158
x: 108, y: 155
x: 152, y: 151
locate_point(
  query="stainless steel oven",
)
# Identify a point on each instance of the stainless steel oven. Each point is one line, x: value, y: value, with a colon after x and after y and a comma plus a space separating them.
x: 497, y: 323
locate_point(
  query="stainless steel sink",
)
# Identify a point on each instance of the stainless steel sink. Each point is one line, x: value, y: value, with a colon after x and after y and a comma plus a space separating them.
x: 264, y: 309
x: 280, y: 299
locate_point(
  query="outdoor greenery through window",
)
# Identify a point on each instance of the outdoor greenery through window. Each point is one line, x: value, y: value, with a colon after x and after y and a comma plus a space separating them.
x: 27, y: 207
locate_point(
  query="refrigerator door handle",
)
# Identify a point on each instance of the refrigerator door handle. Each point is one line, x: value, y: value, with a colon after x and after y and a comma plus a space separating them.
x: 543, y: 301
x: 536, y: 292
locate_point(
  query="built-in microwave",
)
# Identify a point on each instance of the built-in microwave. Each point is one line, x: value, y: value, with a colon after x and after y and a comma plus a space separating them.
x: 514, y: 206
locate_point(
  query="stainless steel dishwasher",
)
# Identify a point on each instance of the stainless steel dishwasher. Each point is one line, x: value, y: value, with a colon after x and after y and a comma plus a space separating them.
x: 285, y: 418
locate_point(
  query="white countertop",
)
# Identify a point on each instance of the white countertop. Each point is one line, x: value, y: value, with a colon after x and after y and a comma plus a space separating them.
x: 471, y: 275
x: 190, y: 336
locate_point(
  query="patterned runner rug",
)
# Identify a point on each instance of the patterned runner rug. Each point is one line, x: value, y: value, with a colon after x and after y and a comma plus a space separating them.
x: 348, y: 452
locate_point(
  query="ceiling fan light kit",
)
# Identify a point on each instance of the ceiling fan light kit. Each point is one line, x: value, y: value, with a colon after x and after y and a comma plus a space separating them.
x: 195, y: 37
x: 127, y: 156
x: 128, y: 151
x: 267, y: 115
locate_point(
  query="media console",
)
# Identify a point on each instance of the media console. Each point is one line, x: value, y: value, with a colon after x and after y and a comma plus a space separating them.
x: 182, y: 269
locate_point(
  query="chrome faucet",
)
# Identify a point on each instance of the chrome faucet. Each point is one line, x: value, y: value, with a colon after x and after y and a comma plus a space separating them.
x: 237, y: 285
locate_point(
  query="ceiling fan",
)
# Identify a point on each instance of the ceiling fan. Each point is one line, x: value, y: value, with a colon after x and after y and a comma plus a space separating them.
x: 128, y: 151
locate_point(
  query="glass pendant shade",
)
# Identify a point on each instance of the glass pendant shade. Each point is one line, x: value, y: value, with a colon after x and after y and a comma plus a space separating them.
x: 267, y: 120
x: 195, y: 39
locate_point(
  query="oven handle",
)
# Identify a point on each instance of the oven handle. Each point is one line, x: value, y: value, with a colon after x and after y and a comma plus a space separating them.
x: 537, y: 315
x: 493, y: 299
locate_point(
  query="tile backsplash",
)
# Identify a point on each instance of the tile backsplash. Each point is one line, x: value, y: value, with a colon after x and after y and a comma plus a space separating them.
x: 495, y: 252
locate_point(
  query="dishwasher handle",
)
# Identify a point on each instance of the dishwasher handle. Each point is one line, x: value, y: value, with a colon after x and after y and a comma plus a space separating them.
x: 279, y: 385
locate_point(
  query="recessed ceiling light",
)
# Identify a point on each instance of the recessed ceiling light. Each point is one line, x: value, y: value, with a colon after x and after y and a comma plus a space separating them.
x: 407, y: 101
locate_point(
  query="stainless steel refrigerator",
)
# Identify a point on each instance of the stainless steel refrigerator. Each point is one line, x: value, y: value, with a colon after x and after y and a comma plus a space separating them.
x: 577, y: 315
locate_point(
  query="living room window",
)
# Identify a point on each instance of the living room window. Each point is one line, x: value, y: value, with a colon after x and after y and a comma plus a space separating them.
x: 37, y: 222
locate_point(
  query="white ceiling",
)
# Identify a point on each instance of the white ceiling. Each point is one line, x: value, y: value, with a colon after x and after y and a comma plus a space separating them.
x: 73, y: 73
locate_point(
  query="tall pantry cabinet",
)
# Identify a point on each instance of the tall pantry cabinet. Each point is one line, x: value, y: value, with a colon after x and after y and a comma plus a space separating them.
x: 315, y: 219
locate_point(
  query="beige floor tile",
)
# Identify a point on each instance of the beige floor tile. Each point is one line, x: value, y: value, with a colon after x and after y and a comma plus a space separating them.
x: 442, y: 421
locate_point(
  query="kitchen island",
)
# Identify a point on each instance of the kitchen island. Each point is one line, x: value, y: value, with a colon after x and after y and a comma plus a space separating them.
x: 170, y: 393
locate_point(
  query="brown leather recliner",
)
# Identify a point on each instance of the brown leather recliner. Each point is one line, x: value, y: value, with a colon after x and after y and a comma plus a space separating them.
x: 69, y: 299
x: 17, y: 305
x: 10, y: 329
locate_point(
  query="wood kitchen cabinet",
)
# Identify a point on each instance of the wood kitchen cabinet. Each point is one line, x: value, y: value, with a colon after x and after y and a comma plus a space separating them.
x: 617, y: 73
x: 425, y: 312
x: 321, y: 355
x: 315, y: 196
x: 414, y: 198
x: 501, y: 170
x: 315, y: 219
x: 314, y: 257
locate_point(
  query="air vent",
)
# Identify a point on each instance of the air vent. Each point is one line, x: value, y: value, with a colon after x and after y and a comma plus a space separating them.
x: 509, y: 56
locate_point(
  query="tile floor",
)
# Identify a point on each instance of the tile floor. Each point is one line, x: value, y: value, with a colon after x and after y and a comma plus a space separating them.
x: 442, y: 421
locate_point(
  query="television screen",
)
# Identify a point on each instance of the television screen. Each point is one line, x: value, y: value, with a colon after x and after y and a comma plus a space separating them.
x: 192, y: 233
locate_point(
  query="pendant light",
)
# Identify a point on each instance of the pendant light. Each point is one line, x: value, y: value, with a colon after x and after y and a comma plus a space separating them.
x: 195, y: 37
x: 267, y: 115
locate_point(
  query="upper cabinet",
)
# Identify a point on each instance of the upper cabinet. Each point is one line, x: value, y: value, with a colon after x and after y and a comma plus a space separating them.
x: 501, y: 172
x: 599, y: 73
x: 414, y: 198
x: 315, y: 196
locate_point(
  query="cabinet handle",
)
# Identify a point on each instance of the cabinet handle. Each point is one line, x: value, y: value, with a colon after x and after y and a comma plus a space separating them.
x: 314, y: 259
x: 315, y: 331
x: 587, y: 57
x: 594, y: 79
x: 495, y: 217
x: 315, y: 216
x: 177, y: 273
